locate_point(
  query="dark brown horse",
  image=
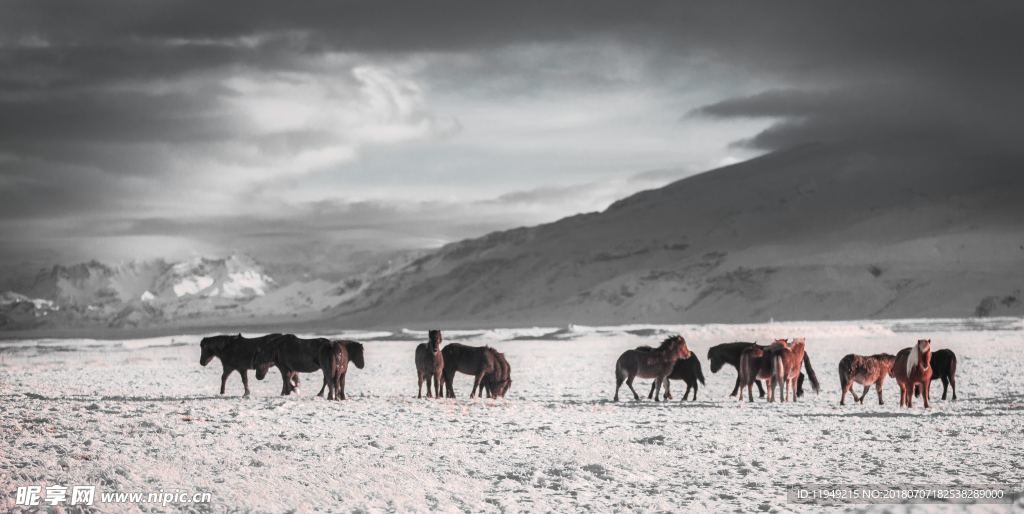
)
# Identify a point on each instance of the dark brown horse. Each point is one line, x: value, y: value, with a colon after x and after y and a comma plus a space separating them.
x: 751, y: 367
x: 334, y: 358
x: 430, y: 363
x: 656, y: 363
x: 687, y: 370
x: 292, y: 355
x: 236, y: 353
x: 912, y: 369
x: 498, y: 382
x: 943, y: 367
x: 866, y: 370
x: 478, y: 361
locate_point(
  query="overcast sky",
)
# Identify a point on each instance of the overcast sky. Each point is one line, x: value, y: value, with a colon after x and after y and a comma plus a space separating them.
x: 137, y: 129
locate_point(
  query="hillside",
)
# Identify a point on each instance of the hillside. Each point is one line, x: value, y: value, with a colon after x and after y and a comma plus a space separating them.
x: 822, y: 231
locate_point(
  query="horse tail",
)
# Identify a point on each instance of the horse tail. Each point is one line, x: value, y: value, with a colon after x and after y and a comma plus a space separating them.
x: 810, y: 374
x: 700, y: 372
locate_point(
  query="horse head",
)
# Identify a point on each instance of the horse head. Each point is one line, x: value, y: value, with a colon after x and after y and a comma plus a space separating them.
x: 677, y: 345
x: 436, y: 339
x: 715, y: 360
x: 211, y: 347
x: 262, y: 359
x: 355, y: 353
x: 924, y: 353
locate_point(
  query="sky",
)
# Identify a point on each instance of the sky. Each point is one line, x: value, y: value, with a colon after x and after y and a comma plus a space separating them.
x: 136, y: 129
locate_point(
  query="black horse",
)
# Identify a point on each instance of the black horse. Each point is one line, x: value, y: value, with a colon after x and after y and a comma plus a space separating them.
x: 687, y: 370
x: 236, y: 353
x: 944, y: 368
x: 292, y: 355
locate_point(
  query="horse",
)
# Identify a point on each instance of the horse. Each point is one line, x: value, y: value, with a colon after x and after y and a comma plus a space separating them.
x: 943, y: 367
x: 912, y: 369
x: 687, y: 370
x: 498, y: 382
x: 334, y: 359
x: 729, y: 353
x: 292, y: 355
x: 430, y: 363
x: 864, y: 370
x: 478, y: 361
x: 786, y: 367
x: 236, y: 353
x: 656, y: 363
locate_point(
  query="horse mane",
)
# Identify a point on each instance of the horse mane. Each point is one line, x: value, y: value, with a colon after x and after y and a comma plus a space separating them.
x: 669, y: 340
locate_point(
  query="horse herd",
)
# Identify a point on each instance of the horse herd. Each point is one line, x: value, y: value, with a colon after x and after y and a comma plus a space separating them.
x: 777, y: 365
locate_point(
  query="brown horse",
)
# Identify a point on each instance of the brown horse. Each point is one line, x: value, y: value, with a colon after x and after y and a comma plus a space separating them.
x: 786, y: 363
x: 478, y: 361
x: 912, y: 369
x: 866, y: 371
x: 656, y: 364
x: 334, y: 359
x: 430, y: 363
x: 756, y: 364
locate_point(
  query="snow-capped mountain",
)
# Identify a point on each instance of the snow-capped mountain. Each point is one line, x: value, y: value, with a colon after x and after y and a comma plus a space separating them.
x: 235, y: 277
x: 233, y: 289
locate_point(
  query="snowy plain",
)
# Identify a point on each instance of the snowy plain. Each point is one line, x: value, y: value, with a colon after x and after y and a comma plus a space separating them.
x: 143, y: 415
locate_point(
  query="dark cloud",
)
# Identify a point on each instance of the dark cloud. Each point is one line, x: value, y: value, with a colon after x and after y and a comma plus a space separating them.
x: 106, y: 106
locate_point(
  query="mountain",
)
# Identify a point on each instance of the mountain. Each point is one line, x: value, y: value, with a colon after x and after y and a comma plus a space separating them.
x: 822, y: 231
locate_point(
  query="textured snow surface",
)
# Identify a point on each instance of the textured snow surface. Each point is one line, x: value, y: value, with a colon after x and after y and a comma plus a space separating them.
x: 143, y: 415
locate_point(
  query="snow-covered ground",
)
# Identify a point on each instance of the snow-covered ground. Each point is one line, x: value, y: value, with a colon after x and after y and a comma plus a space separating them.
x: 143, y: 415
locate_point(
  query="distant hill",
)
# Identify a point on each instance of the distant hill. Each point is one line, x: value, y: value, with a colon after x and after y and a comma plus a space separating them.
x: 823, y: 231
x: 202, y: 291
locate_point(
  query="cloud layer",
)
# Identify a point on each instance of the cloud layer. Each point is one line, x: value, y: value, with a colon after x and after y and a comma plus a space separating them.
x: 389, y: 125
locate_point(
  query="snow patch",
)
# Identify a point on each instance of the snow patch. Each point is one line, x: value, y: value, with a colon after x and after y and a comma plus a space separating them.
x: 192, y: 285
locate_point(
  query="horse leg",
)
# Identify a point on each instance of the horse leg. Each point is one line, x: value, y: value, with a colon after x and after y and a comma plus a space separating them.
x: 324, y: 387
x: 629, y: 382
x: 245, y: 380
x: 650, y: 395
x: 864, y: 393
x: 419, y: 386
x: 926, y: 389
x: 657, y: 389
x: 760, y: 389
x: 341, y: 386
x: 878, y: 388
x: 476, y: 383
x: 437, y: 385
x: 668, y: 392
x: 224, y: 378
x: 618, y: 383
x: 952, y: 383
x: 736, y: 388
x: 449, y: 391
x: 945, y: 386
